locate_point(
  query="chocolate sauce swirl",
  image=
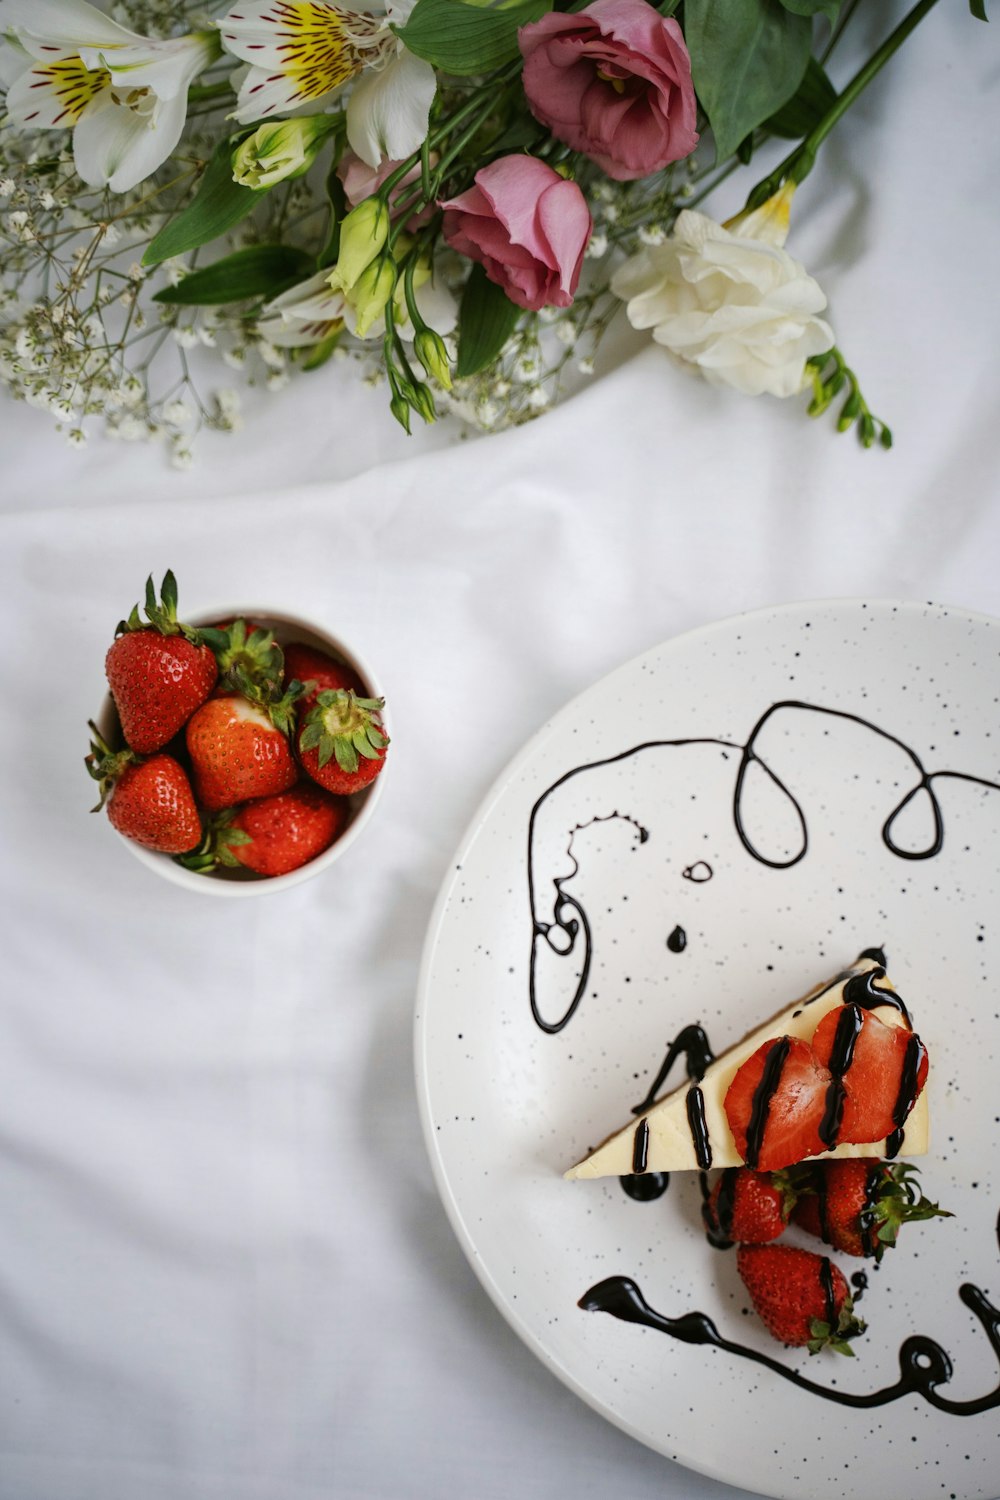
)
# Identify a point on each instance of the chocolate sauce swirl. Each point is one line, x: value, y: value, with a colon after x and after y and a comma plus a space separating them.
x: 569, y: 932
x: 924, y: 1366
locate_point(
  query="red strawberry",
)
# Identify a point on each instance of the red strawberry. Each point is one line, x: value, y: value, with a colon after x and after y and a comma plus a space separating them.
x: 238, y: 752
x: 752, y: 1207
x: 305, y: 664
x: 275, y: 834
x: 801, y: 1298
x: 342, y: 745
x: 858, y: 1205
x: 158, y: 674
x: 887, y: 1070
x: 778, y: 1125
x: 149, y: 801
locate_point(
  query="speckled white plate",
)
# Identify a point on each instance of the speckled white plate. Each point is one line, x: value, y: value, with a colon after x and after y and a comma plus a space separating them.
x: 623, y: 879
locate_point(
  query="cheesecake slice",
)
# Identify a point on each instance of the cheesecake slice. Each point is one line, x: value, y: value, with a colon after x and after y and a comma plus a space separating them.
x: 688, y: 1128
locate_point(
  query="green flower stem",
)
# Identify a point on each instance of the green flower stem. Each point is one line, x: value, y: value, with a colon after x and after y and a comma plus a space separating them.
x: 800, y: 162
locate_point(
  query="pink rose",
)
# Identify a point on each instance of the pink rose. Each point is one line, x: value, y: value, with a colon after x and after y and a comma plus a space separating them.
x: 361, y: 181
x: 614, y: 82
x: 527, y: 226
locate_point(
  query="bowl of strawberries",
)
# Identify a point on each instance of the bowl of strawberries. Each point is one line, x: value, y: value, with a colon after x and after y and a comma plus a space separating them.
x: 238, y: 752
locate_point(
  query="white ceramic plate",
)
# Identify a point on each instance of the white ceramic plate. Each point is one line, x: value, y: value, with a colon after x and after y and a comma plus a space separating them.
x: 586, y: 858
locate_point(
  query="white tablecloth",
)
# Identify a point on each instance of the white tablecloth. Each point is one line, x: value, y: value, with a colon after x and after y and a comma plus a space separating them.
x: 224, y: 1270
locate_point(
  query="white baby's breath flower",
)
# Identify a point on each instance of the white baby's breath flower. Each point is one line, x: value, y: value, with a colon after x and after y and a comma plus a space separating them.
x: 732, y: 305
x: 538, y: 398
x: 181, y: 456
x: 597, y: 245
x: 652, y: 234
x: 585, y: 366
x: 177, y: 413
x: 566, y: 332
x: 76, y: 437
x: 235, y: 357
x: 277, y: 379
x: 187, y: 338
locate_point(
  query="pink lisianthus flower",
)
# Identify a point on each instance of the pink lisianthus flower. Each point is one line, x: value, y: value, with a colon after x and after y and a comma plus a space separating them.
x: 361, y: 181
x: 527, y: 226
x: 613, y: 81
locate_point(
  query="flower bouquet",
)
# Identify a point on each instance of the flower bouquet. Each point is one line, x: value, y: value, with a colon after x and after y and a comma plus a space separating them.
x: 463, y: 196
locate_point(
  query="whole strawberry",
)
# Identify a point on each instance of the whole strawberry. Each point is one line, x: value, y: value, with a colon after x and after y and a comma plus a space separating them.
x: 801, y: 1298
x: 239, y: 750
x: 859, y: 1204
x: 342, y: 744
x: 750, y: 1207
x: 158, y: 673
x: 149, y: 801
x: 320, y: 673
x: 273, y: 835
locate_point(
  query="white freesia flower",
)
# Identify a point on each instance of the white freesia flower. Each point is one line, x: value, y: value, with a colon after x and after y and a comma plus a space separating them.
x: 124, y: 96
x: 301, y: 52
x: 729, y: 301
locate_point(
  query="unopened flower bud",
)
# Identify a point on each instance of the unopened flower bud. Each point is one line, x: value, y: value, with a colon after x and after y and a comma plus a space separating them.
x: 362, y: 235
x: 279, y: 150
x: 370, y: 293
x: 430, y: 350
x: 423, y: 401
x: 400, y: 409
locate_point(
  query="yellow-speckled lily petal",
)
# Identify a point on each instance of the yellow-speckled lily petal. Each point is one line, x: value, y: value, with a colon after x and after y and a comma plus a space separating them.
x: 299, y: 51
x: 54, y: 94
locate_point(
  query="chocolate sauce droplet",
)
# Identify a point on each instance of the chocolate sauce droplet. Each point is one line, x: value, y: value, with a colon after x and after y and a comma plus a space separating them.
x: 678, y: 940
x: 644, y: 1187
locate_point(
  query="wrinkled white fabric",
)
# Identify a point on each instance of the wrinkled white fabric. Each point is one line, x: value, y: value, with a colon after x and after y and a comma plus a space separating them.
x: 224, y: 1270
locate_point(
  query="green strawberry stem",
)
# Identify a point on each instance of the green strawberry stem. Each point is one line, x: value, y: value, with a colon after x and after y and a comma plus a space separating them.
x: 106, y: 765
x: 256, y: 655
x: 342, y: 726
x: 218, y: 842
x: 837, y: 1338
x: 162, y: 615
x: 900, y: 1201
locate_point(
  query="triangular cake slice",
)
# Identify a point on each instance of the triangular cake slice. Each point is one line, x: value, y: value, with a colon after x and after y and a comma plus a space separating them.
x: 688, y: 1129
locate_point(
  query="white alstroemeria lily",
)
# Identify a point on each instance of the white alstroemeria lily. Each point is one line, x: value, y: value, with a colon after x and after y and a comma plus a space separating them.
x: 302, y: 51
x: 306, y: 314
x: 729, y: 301
x: 314, y: 309
x: 124, y: 96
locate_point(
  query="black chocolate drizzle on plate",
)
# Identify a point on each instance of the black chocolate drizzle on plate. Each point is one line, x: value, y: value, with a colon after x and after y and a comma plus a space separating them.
x: 699, y: 872
x: 568, y: 926
x: 678, y: 940
x: 924, y: 1366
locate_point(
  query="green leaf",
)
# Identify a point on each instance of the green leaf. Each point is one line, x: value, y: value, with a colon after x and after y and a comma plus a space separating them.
x: 218, y: 204
x: 321, y: 352
x: 748, y: 58
x: 814, y: 98
x: 464, y: 39
x: 828, y: 8
x: 260, y: 270
x: 486, y: 320
x: 337, y: 200
x: 978, y: 9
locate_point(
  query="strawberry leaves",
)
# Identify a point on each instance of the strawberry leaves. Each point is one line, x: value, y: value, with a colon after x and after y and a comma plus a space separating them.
x: 161, y: 613
x: 344, y: 727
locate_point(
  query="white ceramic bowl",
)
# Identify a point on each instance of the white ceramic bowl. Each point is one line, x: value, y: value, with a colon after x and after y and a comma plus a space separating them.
x: 240, y: 882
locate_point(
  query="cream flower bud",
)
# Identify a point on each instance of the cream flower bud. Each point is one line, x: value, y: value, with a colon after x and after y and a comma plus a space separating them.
x: 279, y: 150
x: 362, y: 235
x: 371, y: 292
x: 432, y: 354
